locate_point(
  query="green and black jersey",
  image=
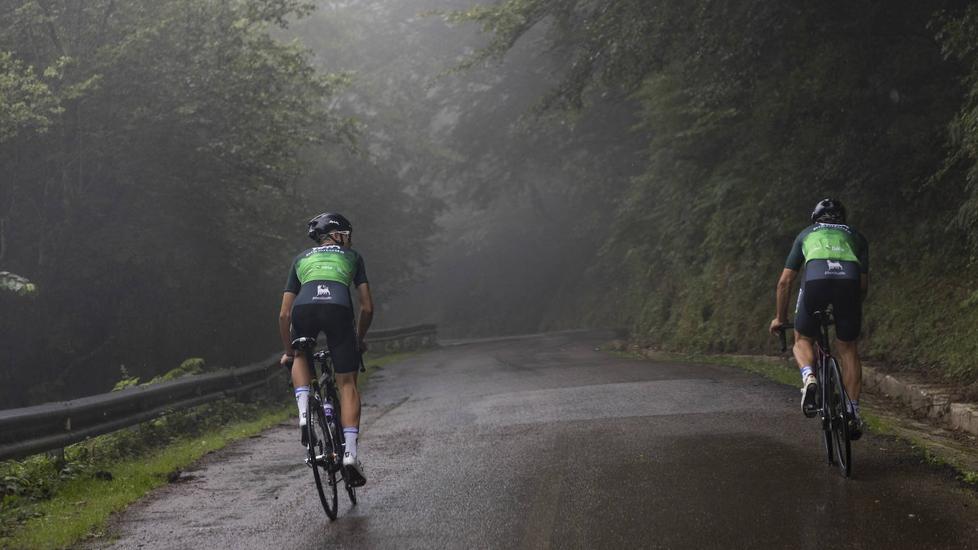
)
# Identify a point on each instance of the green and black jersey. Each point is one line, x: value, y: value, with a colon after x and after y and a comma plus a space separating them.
x: 829, y: 251
x: 323, y: 275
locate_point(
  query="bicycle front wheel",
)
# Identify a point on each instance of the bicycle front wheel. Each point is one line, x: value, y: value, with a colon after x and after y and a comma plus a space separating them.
x: 839, y: 419
x: 322, y: 456
x: 351, y: 491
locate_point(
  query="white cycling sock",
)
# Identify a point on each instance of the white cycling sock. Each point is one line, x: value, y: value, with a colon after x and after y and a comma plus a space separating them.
x: 302, y: 401
x: 350, y: 436
x: 805, y: 372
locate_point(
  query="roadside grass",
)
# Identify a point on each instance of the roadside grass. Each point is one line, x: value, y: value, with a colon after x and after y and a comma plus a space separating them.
x: 79, y: 507
x: 963, y: 462
x: 55, y: 502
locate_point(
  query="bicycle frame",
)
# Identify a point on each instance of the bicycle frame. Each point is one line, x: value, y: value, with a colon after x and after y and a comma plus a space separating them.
x: 323, y: 385
x: 323, y: 390
x: 834, y: 423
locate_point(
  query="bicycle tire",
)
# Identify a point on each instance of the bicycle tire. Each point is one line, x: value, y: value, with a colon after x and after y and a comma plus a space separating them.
x: 351, y: 491
x: 839, y: 419
x: 823, y: 416
x: 829, y: 448
x: 322, y: 452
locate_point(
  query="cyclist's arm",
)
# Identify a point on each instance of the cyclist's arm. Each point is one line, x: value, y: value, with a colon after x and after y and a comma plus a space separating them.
x: 864, y: 285
x: 784, y: 290
x: 285, y: 321
x: 366, y: 310
x: 796, y: 258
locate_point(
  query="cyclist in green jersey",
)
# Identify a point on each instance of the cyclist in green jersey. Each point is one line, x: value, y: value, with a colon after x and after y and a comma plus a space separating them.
x: 317, y: 300
x: 835, y: 258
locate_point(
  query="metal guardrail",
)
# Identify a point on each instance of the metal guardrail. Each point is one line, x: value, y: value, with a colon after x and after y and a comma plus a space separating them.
x: 407, y: 337
x: 32, y: 430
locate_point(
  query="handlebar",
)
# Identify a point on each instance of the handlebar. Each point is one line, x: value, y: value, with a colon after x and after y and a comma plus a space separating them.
x: 783, y: 334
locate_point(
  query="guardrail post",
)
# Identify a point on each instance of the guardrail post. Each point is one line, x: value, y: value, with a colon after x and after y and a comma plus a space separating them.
x: 58, y: 456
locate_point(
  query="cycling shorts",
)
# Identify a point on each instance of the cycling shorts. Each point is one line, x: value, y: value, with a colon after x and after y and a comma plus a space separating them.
x: 844, y: 295
x: 336, y: 322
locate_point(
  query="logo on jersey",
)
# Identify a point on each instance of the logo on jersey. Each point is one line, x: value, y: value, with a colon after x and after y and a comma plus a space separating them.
x: 322, y: 291
x: 835, y: 269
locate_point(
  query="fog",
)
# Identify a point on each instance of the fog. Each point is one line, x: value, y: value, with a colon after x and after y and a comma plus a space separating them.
x: 519, y: 221
x: 508, y: 168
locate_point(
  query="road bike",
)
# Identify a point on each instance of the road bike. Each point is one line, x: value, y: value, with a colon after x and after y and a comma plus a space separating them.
x: 324, y: 434
x: 831, y: 402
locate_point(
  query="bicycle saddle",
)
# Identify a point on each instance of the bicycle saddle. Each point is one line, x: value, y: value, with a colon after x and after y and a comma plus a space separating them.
x: 304, y: 343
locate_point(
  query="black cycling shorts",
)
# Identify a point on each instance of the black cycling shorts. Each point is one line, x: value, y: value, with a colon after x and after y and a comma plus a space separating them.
x: 844, y: 295
x: 336, y: 322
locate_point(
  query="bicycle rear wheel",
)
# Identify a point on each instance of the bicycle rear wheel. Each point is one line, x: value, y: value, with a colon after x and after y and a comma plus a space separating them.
x: 322, y: 456
x: 823, y: 410
x: 839, y: 419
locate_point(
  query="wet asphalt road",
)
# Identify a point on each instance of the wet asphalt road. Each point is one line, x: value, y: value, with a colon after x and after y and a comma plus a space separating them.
x: 545, y: 443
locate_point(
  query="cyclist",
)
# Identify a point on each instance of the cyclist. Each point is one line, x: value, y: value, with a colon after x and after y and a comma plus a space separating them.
x: 317, y: 299
x: 836, y: 261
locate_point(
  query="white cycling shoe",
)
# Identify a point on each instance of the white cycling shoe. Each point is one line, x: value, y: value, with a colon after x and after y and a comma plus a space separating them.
x: 354, y: 470
x: 808, y: 393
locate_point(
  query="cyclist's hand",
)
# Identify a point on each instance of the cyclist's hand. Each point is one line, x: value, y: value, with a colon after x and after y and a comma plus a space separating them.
x: 286, y: 360
x: 363, y: 347
x: 776, y: 325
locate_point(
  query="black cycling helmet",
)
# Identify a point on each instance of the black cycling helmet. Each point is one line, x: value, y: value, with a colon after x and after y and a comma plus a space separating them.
x: 322, y: 224
x: 829, y: 211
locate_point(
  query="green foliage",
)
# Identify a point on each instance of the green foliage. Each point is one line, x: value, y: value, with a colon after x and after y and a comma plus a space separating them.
x: 53, y: 504
x: 194, y: 365
x: 27, y: 485
x: 125, y: 380
x: 10, y: 282
x: 26, y: 101
x: 749, y: 113
x: 959, y: 37
x: 160, y: 160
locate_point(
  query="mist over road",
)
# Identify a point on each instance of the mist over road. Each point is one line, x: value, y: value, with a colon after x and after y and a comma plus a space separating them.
x: 544, y: 442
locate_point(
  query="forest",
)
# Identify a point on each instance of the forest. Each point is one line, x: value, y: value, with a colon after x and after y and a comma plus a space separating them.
x: 509, y: 167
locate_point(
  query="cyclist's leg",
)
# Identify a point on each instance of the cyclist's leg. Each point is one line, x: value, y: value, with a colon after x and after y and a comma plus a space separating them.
x: 852, y: 369
x: 342, y: 341
x: 301, y: 376
x: 848, y: 324
x: 806, y: 328
x: 804, y: 350
x: 303, y: 325
x: 346, y: 385
x: 811, y: 298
